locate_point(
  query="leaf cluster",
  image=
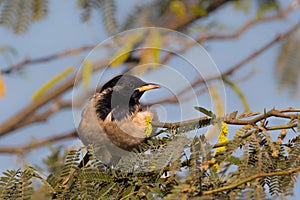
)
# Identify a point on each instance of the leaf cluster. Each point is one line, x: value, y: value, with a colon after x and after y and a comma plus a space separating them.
x: 18, y: 14
x: 175, y: 166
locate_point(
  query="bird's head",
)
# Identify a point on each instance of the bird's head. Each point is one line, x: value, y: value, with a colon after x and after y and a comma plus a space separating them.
x: 122, y: 94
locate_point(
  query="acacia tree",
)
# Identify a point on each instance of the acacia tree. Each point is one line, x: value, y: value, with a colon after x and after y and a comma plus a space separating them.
x: 255, y: 157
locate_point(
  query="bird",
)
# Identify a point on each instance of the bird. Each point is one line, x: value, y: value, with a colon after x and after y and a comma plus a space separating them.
x: 114, y: 120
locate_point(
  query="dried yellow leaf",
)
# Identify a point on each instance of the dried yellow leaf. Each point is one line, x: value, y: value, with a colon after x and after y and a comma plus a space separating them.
x: 2, y: 87
x: 87, y: 70
x: 51, y: 83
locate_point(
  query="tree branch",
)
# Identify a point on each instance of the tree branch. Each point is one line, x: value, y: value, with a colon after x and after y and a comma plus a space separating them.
x: 41, y: 117
x: 251, y: 178
x: 48, y: 58
x: 13, y: 122
x: 177, y: 26
x: 250, y: 24
x: 270, y: 113
x: 22, y: 149
x: 234, y: 68
x: 167, y: 20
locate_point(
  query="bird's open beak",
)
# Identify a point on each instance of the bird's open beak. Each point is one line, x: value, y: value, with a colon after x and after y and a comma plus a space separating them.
x: 149, y: 86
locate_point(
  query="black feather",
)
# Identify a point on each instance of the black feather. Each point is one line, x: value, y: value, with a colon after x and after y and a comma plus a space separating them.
x: 119, y: 96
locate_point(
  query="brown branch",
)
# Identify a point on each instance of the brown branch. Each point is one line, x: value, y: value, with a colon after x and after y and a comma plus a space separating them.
x: 272, y: 113
x: 48, y: 58
x: 22, y: 149
x: 13, y: 122
x: 236, y: 34
x: 249, y: 24
x: 167, y: 20
x: 262, y: 49
x: 251, y: 178
x: 269, y: 128
x: 42, y: 117
x: 242, y: 29
x: 234, y: 68
x: 176, y: 26
x: 268, y: 114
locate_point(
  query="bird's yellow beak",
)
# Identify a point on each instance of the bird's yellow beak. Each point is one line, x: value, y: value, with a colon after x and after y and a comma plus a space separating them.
x: 149, y: 86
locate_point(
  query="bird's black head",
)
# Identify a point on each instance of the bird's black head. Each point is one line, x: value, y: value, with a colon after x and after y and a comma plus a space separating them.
x: 121, y: 95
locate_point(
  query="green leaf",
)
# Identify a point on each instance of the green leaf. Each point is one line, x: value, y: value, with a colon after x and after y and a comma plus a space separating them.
x: 205, y: 111
x: 198, y: 11
x: 234, y: 160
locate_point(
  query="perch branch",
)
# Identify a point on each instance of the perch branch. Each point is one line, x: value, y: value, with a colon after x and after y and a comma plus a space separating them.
x: 253, y: 121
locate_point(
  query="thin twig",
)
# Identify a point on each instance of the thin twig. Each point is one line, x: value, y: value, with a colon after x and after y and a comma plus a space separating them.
x: 251, y: 178
x: 22, y: 149
x: 42, y: 117
x: 168, y: 21
x: 253, y: 121
x: 246, y: 26
x: 202, y: 38
x: 234, y: 68
x: 175, y: 26
x: 48, y: 58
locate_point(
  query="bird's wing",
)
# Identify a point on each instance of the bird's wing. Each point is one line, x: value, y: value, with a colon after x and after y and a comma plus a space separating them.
x: 91, y: 130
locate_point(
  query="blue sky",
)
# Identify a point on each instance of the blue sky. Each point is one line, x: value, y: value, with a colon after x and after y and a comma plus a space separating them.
x: 63, y: 30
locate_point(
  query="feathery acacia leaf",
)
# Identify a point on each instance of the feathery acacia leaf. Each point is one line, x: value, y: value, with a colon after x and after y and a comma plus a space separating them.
x: 287, y: 69
x: 40, y: 9
x: 106, y: 8
x: 18, y: 14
